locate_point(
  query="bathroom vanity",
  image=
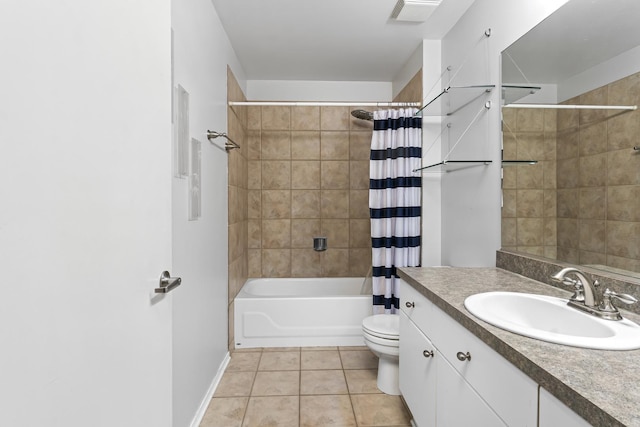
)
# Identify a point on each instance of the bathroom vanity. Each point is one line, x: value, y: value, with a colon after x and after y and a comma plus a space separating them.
x: 458, y: 370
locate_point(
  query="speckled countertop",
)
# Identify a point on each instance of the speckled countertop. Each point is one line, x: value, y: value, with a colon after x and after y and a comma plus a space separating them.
x: 601, y: 386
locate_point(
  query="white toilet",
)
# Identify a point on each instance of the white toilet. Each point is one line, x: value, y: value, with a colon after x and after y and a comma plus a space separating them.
x: 381, y: 335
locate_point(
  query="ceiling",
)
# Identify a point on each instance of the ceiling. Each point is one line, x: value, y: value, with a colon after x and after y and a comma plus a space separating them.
x: 327, y: 40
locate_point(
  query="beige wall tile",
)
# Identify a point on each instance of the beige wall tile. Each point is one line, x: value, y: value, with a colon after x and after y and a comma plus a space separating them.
x: 593, y: 170
x: 567, y: 143
x: 254, y: 144
x: 593, y: 139
x: 568, y: 119
x: 334, y: 203
x: 530, y: 231
x: 276, y: 262
x: 276, y: 204
x: 623, y: 239
x: 622, y: 168
x: 303, y: 231
x: 276, y: 145
x: 276, y: 118
x: 306, y: 263
x: 276, y: 175
x: 305, y: 174
x: 255, y: 262
x: 334, y: 145
x: 276, y: 233
x: 334, y: 175
x: 550, y: 204
x: 305, y: 204
x: 359, y: 261
x: 254, y: 118
x: 254, y: 175
x: 509, y: 177
x: 254, y: 234
x: 360, y: 145
x: 567, y: 176
x: 336, y: 231
x: 530, y: 146
x: 592, y: 203
x: 567, y: 232
x: 592, y: 235
x: 254, y: 204
x: 568, y: 203
x: 530, y: 176
x: 359, y: 174
x: 334, y: 118
x: 359, y: 233
x: 359, y: 204
x: 530, y: 120
x: 623, y: 203
x: 335, y: 262
x: 305, y: 118
x: 509, y: 229
x: 595, y: 97
x: 305, y: 145
x: 529, y: 203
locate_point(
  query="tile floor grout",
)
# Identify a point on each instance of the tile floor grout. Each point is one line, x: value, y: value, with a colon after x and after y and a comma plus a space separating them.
x: 367, y: 406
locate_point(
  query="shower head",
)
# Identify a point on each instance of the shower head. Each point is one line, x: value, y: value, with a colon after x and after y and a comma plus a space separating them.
x: 362, y: 114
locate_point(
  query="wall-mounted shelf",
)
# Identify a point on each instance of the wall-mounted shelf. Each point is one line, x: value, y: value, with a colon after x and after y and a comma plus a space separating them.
x: 452, y: 165
x: 519, y: 162
x: 512, y: 93
x: 452, y: 99
x: 574, y: 106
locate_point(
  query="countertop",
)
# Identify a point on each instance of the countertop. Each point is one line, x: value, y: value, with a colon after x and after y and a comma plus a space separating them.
x: 601, y: 386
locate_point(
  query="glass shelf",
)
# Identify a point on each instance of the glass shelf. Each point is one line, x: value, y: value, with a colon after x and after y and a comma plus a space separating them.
x: 518, y: 162
x: 452, y: 165
x: 452, y: 99
x: 512, y: 93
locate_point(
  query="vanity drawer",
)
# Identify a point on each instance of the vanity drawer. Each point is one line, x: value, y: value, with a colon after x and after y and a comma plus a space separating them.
x: 511, y: 394
x: 416, y: 306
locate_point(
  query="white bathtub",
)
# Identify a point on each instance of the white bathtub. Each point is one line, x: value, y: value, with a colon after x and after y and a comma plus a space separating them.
x: 300, y: 312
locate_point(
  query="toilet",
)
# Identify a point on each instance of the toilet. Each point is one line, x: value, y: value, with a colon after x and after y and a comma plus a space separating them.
x: 381, y: 335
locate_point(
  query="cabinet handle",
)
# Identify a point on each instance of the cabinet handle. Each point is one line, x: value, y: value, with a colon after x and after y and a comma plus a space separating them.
x: 463, y: 356
x: 410, y: 304
x: 427, y: 353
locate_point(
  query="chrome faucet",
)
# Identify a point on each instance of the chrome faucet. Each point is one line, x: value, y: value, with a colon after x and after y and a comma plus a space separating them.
x: 585, y: 288
x: 586, y: 297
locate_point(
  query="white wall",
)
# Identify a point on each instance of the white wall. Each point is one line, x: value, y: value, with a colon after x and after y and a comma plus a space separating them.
x: 85, y: 219
x: 294, y: 90
x: 471, y: 198
x: 201, y: 54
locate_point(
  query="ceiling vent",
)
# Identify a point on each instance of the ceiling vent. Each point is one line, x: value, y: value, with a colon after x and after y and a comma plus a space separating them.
x: 414, y: 10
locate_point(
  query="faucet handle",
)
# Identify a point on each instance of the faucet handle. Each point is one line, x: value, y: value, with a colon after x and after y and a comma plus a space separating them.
x: 624, y: 298
x: 606, y: 306
x: 578, y: 286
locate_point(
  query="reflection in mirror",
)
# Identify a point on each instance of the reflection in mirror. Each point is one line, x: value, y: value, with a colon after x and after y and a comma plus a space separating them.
x: 580, y: 203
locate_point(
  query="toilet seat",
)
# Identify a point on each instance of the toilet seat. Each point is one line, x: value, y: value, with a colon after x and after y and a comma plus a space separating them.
x: 382, y: 326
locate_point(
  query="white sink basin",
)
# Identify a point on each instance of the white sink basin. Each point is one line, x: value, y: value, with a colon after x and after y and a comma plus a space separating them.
x: 550, y: 319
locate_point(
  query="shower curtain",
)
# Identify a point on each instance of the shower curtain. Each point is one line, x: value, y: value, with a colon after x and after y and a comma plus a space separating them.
x: 394, y: 201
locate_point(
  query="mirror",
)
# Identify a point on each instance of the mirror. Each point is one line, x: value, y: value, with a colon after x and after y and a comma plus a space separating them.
x: 579, y: 201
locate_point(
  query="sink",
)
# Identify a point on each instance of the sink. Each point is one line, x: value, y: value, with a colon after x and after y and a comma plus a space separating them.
x: 550, y: 319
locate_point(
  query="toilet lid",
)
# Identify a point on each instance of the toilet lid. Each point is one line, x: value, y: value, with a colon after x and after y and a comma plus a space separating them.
x: 382, y: 325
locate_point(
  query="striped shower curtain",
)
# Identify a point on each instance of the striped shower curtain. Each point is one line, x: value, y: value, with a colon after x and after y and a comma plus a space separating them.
x: 394, y: 201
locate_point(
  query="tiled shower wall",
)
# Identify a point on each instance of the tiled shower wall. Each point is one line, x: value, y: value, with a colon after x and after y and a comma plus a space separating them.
x: 308, y: 176
x: 598, y: 183
x: 237, y: 176
x: 529, y: 191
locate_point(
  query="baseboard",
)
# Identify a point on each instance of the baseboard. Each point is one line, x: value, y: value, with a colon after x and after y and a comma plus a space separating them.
x: 199, y: 415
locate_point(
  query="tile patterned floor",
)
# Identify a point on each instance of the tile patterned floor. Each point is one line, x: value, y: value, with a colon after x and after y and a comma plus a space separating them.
x: 303, y: 387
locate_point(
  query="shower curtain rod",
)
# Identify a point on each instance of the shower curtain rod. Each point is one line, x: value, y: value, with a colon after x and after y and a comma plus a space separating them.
x: 326, y: 104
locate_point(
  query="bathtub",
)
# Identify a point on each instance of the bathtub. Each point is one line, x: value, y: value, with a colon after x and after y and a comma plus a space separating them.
x: 300, y: 312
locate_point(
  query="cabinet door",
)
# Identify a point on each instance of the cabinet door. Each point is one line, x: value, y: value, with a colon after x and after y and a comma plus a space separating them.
x: 417, y: 373
x: 457, y: 404
x: 555, y: 413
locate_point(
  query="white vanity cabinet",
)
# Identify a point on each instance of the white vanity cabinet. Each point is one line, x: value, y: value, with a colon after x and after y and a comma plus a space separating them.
x: 555, y: 413
x: 473, y: 385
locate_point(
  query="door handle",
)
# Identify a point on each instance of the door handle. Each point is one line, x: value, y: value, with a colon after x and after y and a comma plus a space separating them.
x: 167, y: 283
